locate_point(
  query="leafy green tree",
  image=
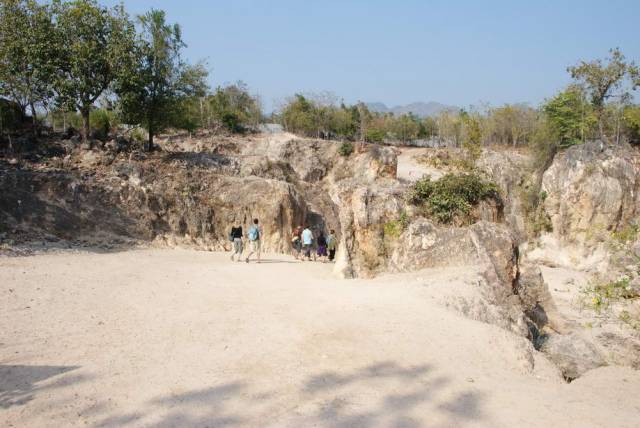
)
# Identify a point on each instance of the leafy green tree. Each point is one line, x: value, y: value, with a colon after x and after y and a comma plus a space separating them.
x: 404, y: 127
x: 234, y: 108
x: 612, y: 78
x: 449, y: 126
x: 472, y: 141
x: 298, y: 116
x: 631, y: 120
x: 154, y: 91
x: 29, y: 49
x: 98, y: 44
x: 375, y: 135
x: 510, y: 124
x: 428, y: 128
x: 345, y: 122
x: 568, y: 116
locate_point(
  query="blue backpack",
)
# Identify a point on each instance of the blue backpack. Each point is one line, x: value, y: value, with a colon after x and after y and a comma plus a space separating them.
x: 254, y: 233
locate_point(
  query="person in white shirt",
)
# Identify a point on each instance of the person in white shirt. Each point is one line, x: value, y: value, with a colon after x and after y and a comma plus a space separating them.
x: 307, y: 242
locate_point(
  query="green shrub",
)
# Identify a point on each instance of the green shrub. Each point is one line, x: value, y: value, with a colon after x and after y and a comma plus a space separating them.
x: 102, y: 122
x: 626, y: 234
x: 231, y: 121
x: 345, y: 149
x: 599, y: 297
x: 375, y: 135
x: 139, y: 135
x: 394, y: 228
x: 453, y: 196
x: 537, y: 219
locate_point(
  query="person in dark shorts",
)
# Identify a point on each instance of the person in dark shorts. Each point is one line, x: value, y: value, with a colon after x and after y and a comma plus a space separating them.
x: 235, y: 236
x: 322, y: 247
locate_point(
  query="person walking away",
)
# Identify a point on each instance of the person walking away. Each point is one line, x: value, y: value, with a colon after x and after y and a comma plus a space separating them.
x: 236, y: 238
x: 296, y: 242
x: 322, y: 247
x: 307, y: 242
x: 254, y: 235
x: 331, y: 244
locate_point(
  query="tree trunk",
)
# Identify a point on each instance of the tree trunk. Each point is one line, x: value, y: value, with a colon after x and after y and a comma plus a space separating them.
x: 23, y: 114
x: 34, y: 119
x: 150, y: 139
x: 603, y: 136
x: 86, y: 126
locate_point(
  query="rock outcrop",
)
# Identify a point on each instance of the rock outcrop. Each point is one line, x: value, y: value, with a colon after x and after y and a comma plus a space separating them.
x: 592, y: 190
x: 135, y: 201
x: 489, y: 246
x: 507, y: 170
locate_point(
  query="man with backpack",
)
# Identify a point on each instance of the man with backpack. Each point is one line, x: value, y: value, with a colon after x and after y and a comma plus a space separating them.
x: 254, y: 235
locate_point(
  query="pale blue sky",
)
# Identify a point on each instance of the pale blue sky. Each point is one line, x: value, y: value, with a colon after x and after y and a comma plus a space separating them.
x: 455, y: 52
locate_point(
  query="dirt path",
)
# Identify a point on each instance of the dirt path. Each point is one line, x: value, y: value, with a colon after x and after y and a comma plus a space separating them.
x: 184, y: 338
x: 409, y: 169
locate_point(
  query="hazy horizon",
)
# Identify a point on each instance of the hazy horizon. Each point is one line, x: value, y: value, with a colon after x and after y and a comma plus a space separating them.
x: 410, y: 51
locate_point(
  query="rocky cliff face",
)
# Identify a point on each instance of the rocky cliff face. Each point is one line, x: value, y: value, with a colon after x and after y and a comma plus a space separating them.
x: 592, y: 187
x: 192, y: 197
x: 592, y: 191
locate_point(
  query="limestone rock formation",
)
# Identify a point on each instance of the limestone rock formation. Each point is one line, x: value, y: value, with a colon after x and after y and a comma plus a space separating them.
x: 507, y: 170
x: 591, y: 190
x: 485, y: 244
x: 191, y: 197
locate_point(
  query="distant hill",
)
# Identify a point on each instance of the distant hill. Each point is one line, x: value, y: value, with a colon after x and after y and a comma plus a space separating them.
x: 420, y: 109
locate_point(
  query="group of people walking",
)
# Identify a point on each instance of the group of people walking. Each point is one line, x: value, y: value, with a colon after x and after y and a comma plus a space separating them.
x: 254, y: 235
x: 306, y: 244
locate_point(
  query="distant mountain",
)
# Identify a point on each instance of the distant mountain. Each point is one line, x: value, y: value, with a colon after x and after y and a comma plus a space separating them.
x: 420, y: 109
x: 378, y: 107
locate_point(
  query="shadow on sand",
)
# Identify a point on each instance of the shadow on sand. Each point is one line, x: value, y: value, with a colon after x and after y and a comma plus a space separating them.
x: 19, y: 384
x: 325, y: 399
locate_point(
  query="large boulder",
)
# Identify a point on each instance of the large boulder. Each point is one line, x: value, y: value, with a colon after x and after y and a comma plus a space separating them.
x: 485, y: 245
x: 592, y: 189
x: 572, y: 354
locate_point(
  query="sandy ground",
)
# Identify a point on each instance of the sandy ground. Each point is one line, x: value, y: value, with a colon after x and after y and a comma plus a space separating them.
x: 184, y: 338
x: 409, y: 169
